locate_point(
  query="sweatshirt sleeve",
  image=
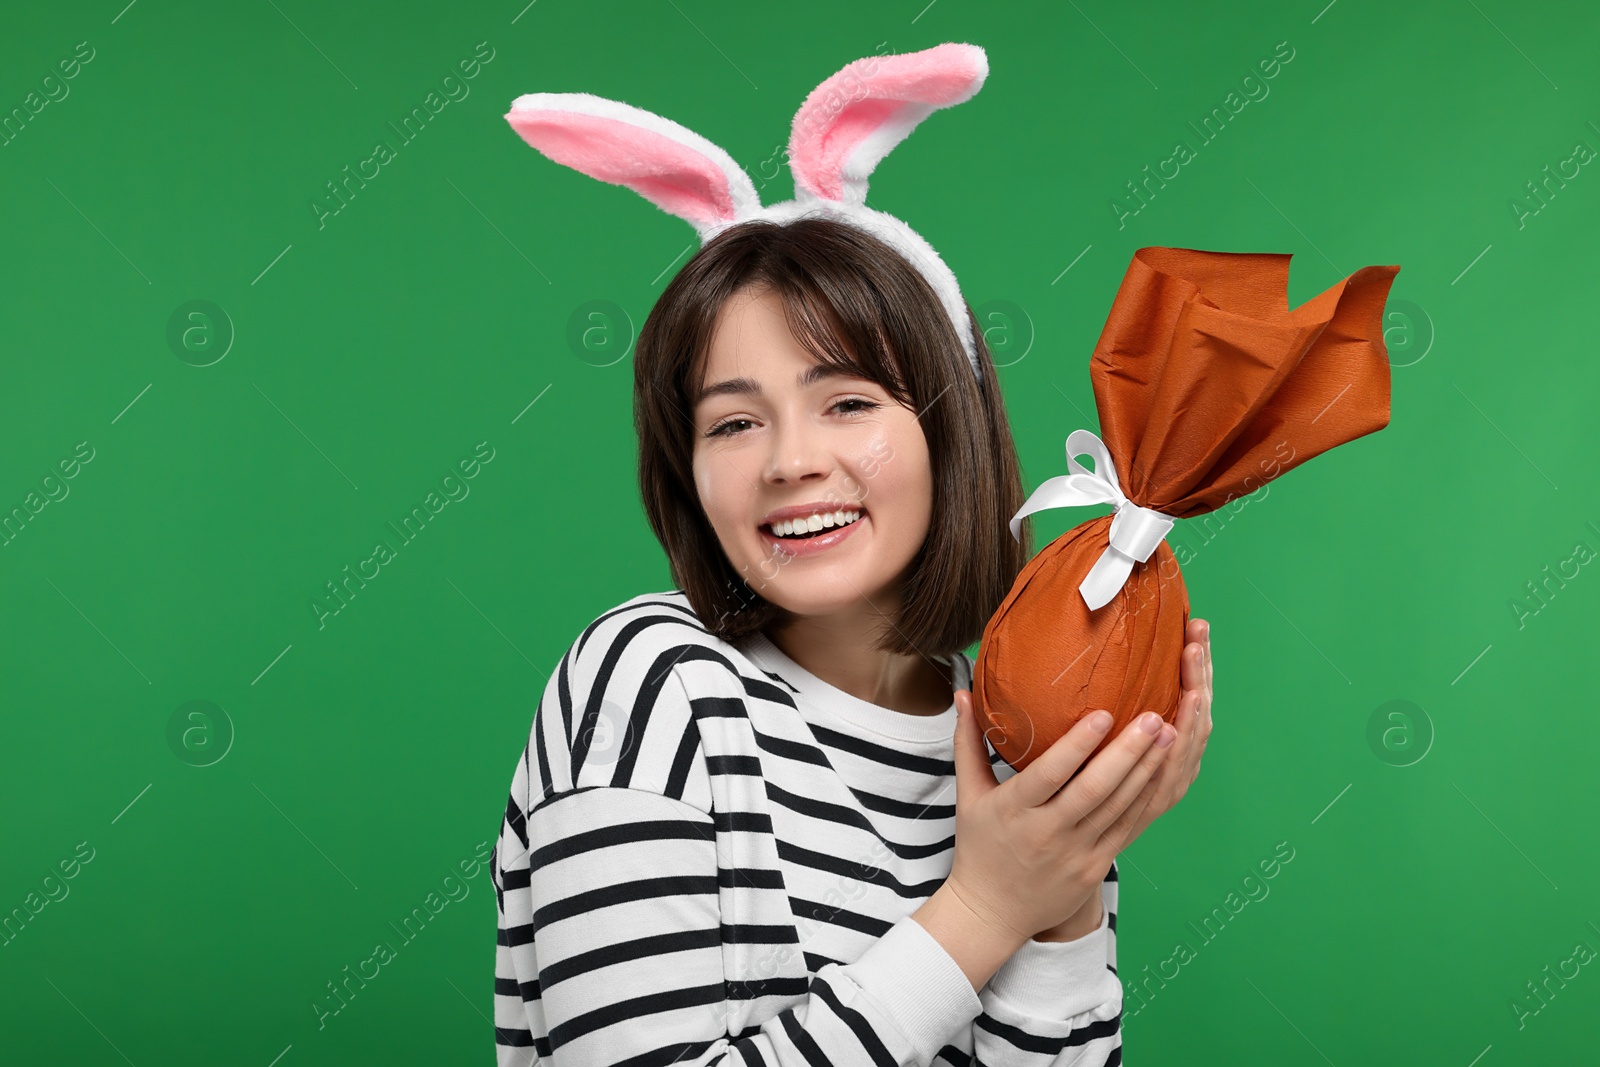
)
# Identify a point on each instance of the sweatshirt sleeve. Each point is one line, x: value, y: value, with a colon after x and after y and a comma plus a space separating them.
x: 611, y: 939
x: 1055, y: 1003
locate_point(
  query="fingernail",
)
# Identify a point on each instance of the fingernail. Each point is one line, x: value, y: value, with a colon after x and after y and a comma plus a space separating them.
x: 1100, y: 721
x: 1149, y: 722
x: 1165, y: 738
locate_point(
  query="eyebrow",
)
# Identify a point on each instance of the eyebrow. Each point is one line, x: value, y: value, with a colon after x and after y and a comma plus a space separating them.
x: 749, y: 387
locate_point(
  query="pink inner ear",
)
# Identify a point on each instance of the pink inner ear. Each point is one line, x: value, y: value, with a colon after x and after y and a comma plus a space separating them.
x: 868, y: 94
x: 823, y: 164
x: 673, y: 176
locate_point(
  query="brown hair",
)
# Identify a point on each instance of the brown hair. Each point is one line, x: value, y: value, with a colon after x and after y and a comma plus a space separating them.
x: 854, y: 303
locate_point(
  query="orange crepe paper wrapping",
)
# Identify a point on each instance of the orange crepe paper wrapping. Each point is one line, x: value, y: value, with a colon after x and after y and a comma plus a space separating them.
x: 1207, y: 387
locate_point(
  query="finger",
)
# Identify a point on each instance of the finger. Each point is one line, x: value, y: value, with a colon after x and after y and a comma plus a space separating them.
x: 1109, y: 767
x: 1192, y: 672
x: 1138, y: 816
x: 1178, y: 758
x: 1137, y: 780
x: 1193, y: 744
x: 1207, y: 643
x: 1045, y: 776
x: 974, y: 776
x: 1194, y: 680
x: 1203, y: 737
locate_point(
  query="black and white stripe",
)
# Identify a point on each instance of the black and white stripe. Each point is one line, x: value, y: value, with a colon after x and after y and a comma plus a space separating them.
x: 702, y: 861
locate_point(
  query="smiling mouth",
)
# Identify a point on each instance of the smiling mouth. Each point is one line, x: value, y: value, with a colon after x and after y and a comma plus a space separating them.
x: 816, y: 526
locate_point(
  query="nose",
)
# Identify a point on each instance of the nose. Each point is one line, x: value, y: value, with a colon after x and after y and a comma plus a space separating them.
x: 797, y: 453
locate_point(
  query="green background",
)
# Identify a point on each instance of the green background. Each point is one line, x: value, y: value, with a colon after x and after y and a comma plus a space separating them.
x: 1439, y: 860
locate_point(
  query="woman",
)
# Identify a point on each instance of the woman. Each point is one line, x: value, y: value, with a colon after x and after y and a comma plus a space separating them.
x: 755, y: 821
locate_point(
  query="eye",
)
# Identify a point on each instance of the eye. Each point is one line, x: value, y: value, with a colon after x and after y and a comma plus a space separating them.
x: 721, y: 429
x: 724, y: 428
x: 866, y: 405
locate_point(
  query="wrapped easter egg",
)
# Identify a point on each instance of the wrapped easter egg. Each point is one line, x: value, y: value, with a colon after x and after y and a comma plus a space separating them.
x: 1207, y: 387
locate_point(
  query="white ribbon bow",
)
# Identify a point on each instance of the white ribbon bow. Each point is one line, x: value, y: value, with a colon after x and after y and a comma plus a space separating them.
x: 1135, y: 531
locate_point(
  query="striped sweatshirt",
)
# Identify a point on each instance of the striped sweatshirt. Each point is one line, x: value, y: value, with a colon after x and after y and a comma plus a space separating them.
x: 711, y: 856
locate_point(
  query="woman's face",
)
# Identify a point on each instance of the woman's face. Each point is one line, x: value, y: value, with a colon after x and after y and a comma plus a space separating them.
x: 772, y: 443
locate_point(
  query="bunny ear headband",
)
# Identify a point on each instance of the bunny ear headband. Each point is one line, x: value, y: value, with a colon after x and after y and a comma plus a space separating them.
x: 845, y: 127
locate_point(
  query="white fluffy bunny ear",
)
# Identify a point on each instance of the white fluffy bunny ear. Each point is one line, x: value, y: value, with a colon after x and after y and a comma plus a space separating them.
x: 674, y: 168
x: 852, y: 120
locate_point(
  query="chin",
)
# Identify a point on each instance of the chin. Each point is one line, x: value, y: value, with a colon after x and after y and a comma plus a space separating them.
x: 812, y: 607
x: 821, y: 594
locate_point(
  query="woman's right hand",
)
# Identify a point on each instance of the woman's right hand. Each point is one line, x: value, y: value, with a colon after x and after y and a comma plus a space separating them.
x: 1030, y: 851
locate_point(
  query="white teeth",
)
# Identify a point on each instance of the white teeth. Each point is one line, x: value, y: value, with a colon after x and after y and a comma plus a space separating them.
x: 813, y: 523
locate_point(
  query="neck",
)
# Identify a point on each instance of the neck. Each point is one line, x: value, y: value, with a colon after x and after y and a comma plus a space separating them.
x: 840, y: 650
